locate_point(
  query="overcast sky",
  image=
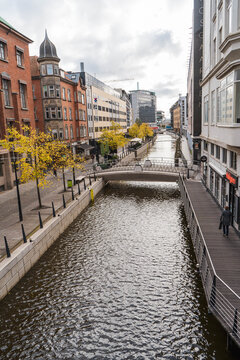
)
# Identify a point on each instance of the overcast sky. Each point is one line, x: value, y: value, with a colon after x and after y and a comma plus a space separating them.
x: 144, y: 40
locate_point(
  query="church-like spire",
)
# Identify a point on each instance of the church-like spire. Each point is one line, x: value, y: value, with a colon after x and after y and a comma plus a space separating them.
x: 48, y: 49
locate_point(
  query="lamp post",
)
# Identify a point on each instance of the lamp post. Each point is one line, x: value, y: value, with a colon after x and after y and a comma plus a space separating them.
x: 17, y: 187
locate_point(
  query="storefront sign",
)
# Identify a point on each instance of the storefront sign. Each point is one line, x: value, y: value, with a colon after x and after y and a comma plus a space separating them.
x: 203, y: 158
x: 232, y: 178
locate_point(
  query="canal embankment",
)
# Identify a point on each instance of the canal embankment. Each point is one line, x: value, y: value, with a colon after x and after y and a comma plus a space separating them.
x: 217, y: 256
x: 22, y: 259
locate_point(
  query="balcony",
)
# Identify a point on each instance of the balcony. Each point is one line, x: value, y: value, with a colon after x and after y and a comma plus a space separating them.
x: 230, y: 47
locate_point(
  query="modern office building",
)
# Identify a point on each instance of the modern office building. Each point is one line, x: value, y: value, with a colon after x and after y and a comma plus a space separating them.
x: 59, y: 102
x: 160, y: 117
x: 16, y: 102
x: 221, y: 103
x: 144, y: 106
x: 104, y: 104
x: 194, y: 101
x: 129, y: 113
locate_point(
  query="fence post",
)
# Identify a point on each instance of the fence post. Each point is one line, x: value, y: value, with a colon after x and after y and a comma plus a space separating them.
x: 79, y: 190
x: 95, y: 177
x: 84, y: 183
x: 23, y: 233
x: 90, y: 181
x: 7, y: 248
x: 72, y: 194
x: 235, y: 323
x: 53, y: 210
x: 40, y: 220
x: 64, y: 203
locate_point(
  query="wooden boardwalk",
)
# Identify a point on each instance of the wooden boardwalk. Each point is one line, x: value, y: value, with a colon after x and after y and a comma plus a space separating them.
x: 218, y: 256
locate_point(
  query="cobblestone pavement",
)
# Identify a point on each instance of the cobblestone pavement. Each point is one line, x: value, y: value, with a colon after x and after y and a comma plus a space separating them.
x: 10, y: 226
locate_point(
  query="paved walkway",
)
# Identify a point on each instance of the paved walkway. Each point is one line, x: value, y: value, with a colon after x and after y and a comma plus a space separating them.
x: 224, y: 252
x: 185, y: 149
x: 9, y: 215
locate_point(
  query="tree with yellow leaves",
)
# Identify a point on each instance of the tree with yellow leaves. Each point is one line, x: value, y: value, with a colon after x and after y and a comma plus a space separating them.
x: 113, y: 138
x: 145, y: 131
x: 38, y: 154
x: 134, y: 130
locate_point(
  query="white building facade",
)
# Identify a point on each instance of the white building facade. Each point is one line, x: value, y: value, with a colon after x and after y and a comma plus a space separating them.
x: 221, y: 103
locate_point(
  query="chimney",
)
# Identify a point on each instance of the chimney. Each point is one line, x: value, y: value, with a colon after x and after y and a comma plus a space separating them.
x: 82, y: 66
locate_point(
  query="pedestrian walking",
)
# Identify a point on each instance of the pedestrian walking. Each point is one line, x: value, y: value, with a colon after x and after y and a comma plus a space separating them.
x: 225, y: 221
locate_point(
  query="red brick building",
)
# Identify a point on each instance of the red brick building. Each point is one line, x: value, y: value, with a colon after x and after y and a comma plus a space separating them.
x: 16, y: 101
x: 59, y: 102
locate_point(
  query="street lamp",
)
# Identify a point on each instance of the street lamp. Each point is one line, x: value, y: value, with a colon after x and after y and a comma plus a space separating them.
x: 14, y: 158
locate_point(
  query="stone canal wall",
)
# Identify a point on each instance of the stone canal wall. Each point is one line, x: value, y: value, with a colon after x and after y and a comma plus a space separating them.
x: 26, y: 255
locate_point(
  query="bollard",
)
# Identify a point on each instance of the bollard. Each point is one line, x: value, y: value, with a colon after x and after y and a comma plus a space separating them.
x: 64, y: 203
x: 79, y: 190
x: 53, y: 210
x: 23, y: 233
x: 7, y: 248
x: 72, y: 194
x: 40, y: 220
x: 84, y: 182
x: 90, y: 181
x: 95, y: 177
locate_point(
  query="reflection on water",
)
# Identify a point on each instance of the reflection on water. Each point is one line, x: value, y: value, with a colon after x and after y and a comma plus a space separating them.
x: 120, y: 283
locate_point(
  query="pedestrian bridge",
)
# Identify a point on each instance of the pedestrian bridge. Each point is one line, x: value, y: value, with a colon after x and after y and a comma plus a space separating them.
x: 164, y: 170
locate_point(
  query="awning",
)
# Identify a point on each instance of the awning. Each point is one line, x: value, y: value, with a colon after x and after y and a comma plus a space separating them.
x: 219, y: 171
x: 85, y: 146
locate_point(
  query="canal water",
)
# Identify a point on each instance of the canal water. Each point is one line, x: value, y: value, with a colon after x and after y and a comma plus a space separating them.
x: 120, y: 283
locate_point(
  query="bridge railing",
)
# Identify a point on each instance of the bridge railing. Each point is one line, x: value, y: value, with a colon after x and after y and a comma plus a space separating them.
x: 156, y: 164
x: 222, y: 301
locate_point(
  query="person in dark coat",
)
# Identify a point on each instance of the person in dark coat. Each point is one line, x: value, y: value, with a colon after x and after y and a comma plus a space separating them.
x: 226, y: 220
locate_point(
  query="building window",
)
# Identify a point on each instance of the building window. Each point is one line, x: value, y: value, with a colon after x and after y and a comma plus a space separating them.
x: 53, y: 112
x: 61, y: 134
x: 83, y: 100
x: 49, y: 69
x: 224, y: 156
x: 59, y: 112
x: 19, y: 55
x: 76, y: 114
x: 233, y: 160
x: 70, y: 114
x: 205, y: 144
x: 84, y: 116
x: 229, y: 16
x: 3, y: 50
x: 51, y: 90
x: 77, y: 131
x: 69, y: 94
x: 206, y: 109
x: 23, y: 95
x: 65, y: 113
x: 66, y: 132
x: 71, y: 131
x: 57, y: 91
x: 212, y: 149
x: 43, y: 70
x: 213, y: 107
x: 75, y: 96
x: 55, y: 134
x: 79, y: 96
x: 6, y: 91
x: 56, y: 70
x: 47, y: 113
x: 218, y: 105
x: 63, y: 93
x: 217, y: 152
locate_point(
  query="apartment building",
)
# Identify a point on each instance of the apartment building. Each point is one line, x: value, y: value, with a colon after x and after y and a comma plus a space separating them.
x: 59, y: 102
x: 178, y: 112
x: 221, y: 103
x: 194, y: 98
x: 104, y: 105
x: 16, y: 102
